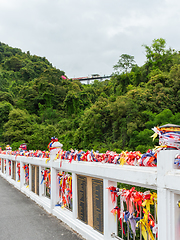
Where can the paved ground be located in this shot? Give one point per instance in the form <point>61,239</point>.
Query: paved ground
<point>23,219</point>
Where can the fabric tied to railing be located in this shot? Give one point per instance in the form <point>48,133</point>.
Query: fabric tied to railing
<point>65,190</point>
<point>18,171</point>
<point>130,214</point>
<point>26,170</point>
<point>169,135</point>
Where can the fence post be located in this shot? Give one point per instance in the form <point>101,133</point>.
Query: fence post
<point>74,195</point>
<point>11,168</point>
<point>40,179</point>
<point>53,188</point>
<point>30,177</point>
<point>7,167</point>
<point>165,164</point>
<point>21,174</point>
<point>110,221</point>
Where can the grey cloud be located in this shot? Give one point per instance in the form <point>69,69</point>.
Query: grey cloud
<point>88,36</point>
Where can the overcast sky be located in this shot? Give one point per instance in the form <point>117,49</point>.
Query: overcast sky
<point>84,37</point>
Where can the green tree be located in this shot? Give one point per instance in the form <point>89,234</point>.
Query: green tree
<point>18,127</point>
<point>41,136</point>
<point>14,63</point>
<point>158,56</point>
<point>5,108</point>
<point>125,63</point>
<point>6,96</point>
<point>158,47</point>
<point>94,125</point>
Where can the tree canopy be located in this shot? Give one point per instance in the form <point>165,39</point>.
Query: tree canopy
<point>36,103</point>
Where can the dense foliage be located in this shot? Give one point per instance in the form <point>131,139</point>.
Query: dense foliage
<point>36,103</point>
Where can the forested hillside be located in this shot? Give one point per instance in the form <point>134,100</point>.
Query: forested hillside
<point>36,103</point>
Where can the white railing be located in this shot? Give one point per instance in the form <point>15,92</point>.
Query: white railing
<point>165,179</point>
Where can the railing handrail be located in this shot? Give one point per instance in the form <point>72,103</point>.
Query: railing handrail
<point>134,175</point>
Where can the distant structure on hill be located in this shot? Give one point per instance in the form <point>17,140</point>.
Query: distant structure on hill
<point>90,80</point>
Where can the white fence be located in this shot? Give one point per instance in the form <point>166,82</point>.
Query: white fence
<point>165,179</point>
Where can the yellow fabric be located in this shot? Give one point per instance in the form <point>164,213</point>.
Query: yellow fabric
<point>146,204</point>
<point>123,158</point>
<point>154,136</point>
<point>56,156</point>
<point>154,198</point>
<point>145,229</point>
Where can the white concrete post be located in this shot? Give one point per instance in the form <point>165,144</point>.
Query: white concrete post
<point>110,222</point>
<point>176,222</point>
<point>165,164</point>
<point>15,169</point>
<point>162,215</point>
<point>40,179</point>
<point>74,195</point>
<point>7,167</point>
<point>11,169</point>
<point>53,187</point>
<point>30,176</point>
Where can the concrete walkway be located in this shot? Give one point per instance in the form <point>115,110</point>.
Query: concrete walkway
<point>23,219</point>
